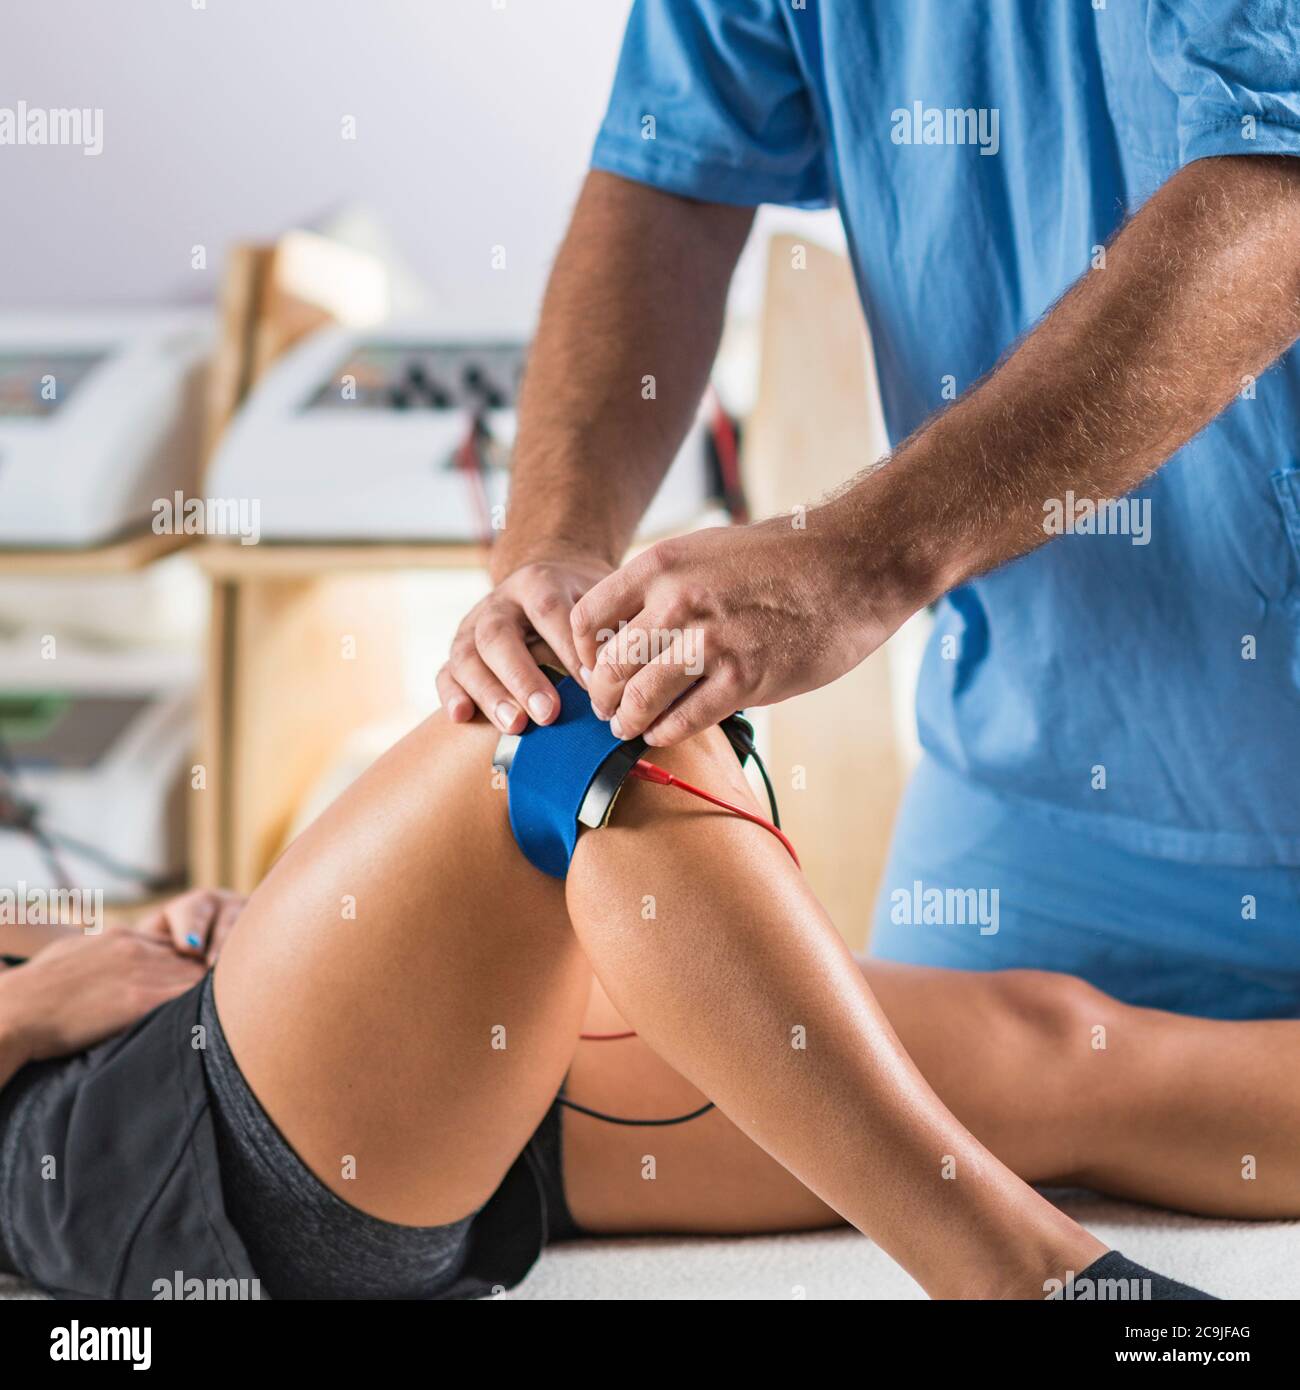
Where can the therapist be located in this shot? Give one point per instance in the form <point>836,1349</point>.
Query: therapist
<point>1076,232</point>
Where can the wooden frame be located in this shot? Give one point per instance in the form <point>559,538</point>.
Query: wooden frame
<point>834,757</point>
<point>304,647</point>
<point>121,556</point>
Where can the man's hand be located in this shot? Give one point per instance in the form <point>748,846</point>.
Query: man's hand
<point>490,665</point>
<point>637,291</point>
<point>722,619</point>
<point>1200,292</point>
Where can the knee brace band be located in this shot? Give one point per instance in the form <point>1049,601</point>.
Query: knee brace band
<point>550,769</point>
<point>567,775</point>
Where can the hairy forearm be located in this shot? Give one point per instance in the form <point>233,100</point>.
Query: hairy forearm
<point>637,292</point>
<point>1199,292</point>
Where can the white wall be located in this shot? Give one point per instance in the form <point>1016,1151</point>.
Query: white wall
<point>474,124</point>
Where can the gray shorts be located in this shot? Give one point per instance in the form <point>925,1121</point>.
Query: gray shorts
<point>148,1159</point>
<point>306,1242</point>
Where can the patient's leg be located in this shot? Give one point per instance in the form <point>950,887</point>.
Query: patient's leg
<point>712,946</point>
<point>1064,1084</point>
<point>404,988</point>
<point>1200,1114</point>
<point>366,982</point>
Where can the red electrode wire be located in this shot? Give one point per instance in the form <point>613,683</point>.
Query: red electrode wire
<point>652,772</point>
<point>469,459</point>
<point>724,441</point>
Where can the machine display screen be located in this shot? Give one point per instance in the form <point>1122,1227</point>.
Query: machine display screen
<point>34,384</point>
<point>424,376</point>
<point>63,731</point>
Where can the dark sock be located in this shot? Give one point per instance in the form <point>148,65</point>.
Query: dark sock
<point>1113,1265</point>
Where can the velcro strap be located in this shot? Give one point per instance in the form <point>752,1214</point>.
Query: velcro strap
<point>550,768</point>
<point>566,775</point>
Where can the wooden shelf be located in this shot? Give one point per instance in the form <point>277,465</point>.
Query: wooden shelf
<point>122,556</point>
<point>228,559</point>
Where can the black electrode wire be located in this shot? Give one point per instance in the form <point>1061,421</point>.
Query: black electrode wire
<point>51,856</point>
<point>621,1120</point>
<point>114,866</point>
<point>704,1109</point>
<point>18,813</point>
<point>767,782</point>
<point>7,764</point>
<point>26,817</point>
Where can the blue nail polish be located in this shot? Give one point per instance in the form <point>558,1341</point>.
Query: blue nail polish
<point>193,939</point>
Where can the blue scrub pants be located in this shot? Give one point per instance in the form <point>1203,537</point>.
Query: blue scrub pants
<point>1220,942</point>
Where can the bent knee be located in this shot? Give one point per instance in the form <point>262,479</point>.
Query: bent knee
<point>661,845</point>
<point>574,777</point>
<point>1063,1011</point>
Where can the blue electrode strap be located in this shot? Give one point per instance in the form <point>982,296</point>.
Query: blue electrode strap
<point>549,771</point>
<point>567,775</point>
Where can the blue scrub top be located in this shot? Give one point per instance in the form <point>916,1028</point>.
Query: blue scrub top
<point>1139,688</point>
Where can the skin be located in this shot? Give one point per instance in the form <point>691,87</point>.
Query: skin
<point>1165,1113</point>
<point>639,286</point>
<point>82,988</point>
<point>366,980</point>
<point>1162,1114</point>
<point>1200,290</point>
<point>368,1033</point>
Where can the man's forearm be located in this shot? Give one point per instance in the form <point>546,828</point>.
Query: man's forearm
<point>637,292</point>
<point>1200,291</point>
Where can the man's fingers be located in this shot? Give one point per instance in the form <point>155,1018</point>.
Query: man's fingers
<point>459,706</point>
<point>490,695</point>
<point>550,620</point>
<point>505,653</point>
<point>649,693</point>
<point>616,598</point>
<point>708,704</point>
<point>621,657</point>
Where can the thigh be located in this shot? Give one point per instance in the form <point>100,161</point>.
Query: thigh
<point>403,991</point>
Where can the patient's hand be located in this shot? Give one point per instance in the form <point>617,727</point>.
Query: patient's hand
<point>196,923</point>
<point>83,989</point>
